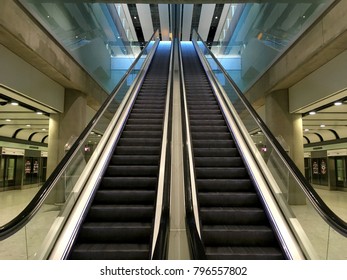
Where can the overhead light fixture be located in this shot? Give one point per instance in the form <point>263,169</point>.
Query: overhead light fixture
<point>28,125</point>
<point>312,113</point>
<point>322,125</point>
<point>39,113</point>
<point>307,129</point>
<point>14,103</point>
<point>8,120</point>
<point>338,103</point>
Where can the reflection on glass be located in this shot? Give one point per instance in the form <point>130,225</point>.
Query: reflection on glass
<point>255,34</point>
<point>97,35</point>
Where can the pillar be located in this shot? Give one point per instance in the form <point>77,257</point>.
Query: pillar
<point>64,129</point>
<point>288,129</point>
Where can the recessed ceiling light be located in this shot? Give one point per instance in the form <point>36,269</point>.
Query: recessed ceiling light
<point>14,103</point>
<point>322,125</point>
<point>338,103</point>
<point>43,129</point>
<point>28,125</point>
<point>8,120</point>
<point>306,129</point>
<point>312,113</point>
<point>39,113</point>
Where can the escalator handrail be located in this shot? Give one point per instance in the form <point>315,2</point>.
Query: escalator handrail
<point>34,205</point>
<point>321,207</point>
<point>192,220</point>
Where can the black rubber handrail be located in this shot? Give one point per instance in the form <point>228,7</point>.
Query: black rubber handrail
<point>325,212</point>
<point>34,205</point>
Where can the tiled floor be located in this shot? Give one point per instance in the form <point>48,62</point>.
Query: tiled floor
<point>325,241</point>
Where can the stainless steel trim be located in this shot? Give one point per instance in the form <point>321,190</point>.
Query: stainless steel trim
<point>161,177</point>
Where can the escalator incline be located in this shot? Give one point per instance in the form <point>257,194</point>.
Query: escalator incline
<point>233,222</point>
<point>119,223</point>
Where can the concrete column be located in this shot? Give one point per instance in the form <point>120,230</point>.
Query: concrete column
<point>288,129</point>
<point>73,119</point>
<point>64,129</point>
<point>53,143</point>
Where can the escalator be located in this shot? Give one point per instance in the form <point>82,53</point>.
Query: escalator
<point>119,223</point>
<point>233,222</point>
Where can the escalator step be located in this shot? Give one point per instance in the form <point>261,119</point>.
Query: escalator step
<point>243,253</point>
<point>214,144</point>
<point>225,185</point>
<point>210,128</point>
<point>218,162</point>
<point>203,117</point>
<point>137,150</point>
<point>230,199</point>
<point>221,172</point>
<point>132,171</point>
<point>133,121</point>
<point>144,127</point>
<point>120,213</point>
<point>134,160</point>
<point>148,116</point>
<point>139,141</point>
<point>211,135</point>
<point>209,122</point>
<point>142,134</point>
<point>115,232</point>
<point>232,216</point>
<point>215,152</point>
<point>113,251</point>
<point>120,197</point>
<point>126,183</point>
<point>235,235</point>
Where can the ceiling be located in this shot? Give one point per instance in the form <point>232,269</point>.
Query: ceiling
<point>19,120</point>
<point>22,122</point>
<point>326,122</point>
